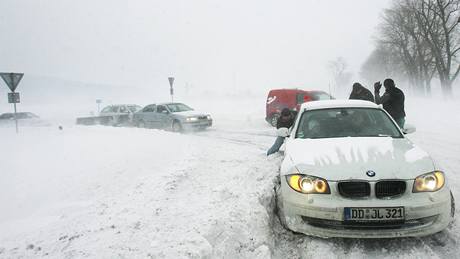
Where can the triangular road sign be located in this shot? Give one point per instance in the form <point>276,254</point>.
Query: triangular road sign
<point>12,79</point>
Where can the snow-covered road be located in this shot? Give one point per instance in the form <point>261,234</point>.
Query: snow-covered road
<point>133,193</point>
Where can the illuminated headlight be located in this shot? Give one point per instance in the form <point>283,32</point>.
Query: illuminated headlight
<point>430,182</point>
<point>208,117</point>
<point>192,119</point>
<point>308,184</point>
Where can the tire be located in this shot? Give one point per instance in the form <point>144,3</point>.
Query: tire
<point>279,210</point>
<point>176,126</point>
<point>274,119</point>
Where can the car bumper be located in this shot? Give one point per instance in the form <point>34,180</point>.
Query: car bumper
<point>201,124</point>
<point>322,215</point>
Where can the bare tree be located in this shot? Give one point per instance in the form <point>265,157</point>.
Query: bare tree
<point>382,63</point>
<point>401,34</point>
<point>438,23</point>
<point>423,37</point>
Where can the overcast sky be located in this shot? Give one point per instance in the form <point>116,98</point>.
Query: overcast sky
<point>207,44</point>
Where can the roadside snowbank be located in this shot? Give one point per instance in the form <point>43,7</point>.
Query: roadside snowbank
<point>105,192</point>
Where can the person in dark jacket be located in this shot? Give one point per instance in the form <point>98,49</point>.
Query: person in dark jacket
<point>286,120</point>
<point>392,100</point>
<point>360,92</point>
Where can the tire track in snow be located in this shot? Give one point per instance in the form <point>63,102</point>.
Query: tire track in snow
<point>262,140</point>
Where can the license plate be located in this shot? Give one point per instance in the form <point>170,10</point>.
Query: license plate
<point>374,214</point>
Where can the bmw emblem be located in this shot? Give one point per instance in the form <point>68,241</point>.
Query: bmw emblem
<point>370,173</point>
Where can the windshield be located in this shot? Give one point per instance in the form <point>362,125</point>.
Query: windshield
<point>346,122</point>
<point>318,96</point>
<point>178,107</point>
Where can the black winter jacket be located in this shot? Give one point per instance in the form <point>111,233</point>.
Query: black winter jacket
<point>393,102</point>
<point>361,93</point>
<point>285,122</point>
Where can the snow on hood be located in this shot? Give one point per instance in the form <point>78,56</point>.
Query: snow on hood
<point>351,158</point>
<point>191,113</point>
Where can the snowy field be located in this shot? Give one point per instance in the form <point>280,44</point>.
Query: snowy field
<point>109,192</point>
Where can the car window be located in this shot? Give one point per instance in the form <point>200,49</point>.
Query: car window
<point>149,108</point>
<point>114,109</point>
<point>31,115</point>
<point>6,116</point>
<point>106,109</point>
<point>318,96</point>
<point>178,107</point>
<point>346,122</point>
<point>123,109</point>
<point>300,98</point>
<point>161,108</point>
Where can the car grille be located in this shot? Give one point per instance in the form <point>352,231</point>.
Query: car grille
<point>336,224</point>
<point>203,117</point>
<point>354,189</point>
<point>385,189</point>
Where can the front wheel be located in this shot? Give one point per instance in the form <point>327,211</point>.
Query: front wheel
<point>279,210</point>
<point>176,126</point>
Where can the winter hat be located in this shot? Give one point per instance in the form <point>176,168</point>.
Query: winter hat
<point>389,82</point>
<point>356,86</point>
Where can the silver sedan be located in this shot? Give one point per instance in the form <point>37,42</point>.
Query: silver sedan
<point>171,116</point>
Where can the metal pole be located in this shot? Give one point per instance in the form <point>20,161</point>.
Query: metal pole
<point>16,119</point>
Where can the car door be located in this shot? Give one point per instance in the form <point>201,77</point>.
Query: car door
<point>163,119</point>
<point>123,114</point>
<point>148,115</point>
<point>112,111</point>
<point>109,116</point>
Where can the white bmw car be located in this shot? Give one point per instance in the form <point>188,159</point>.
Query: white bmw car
<point>349,171</point>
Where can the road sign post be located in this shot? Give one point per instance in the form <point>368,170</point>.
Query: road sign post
<point>98,101</point>
<point>12,80</point>
<point>171,89</point>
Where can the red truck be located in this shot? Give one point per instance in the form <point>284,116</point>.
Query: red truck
<point>279,99</point>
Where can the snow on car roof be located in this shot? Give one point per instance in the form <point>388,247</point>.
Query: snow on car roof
<point>337,104</point>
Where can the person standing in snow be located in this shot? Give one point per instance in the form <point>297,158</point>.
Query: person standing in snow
<point>285,121</point>
<point>360,92</point>
<point>392,100</point>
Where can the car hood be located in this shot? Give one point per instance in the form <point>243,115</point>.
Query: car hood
<point>350,158</point>
<point>190,113</point>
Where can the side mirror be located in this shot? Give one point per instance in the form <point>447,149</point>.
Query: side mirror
<point>408,129</point>
<point>282,132</point>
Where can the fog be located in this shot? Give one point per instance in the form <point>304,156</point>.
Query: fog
<point>207,45</point>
